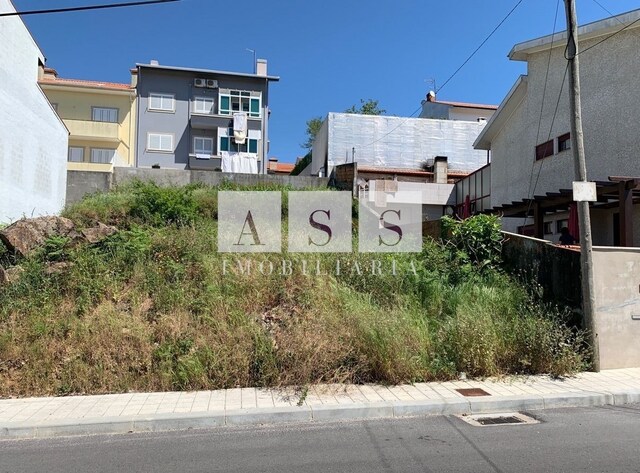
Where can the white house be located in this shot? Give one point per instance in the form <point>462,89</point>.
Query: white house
<point>532,165</point>
<point>395,142</point>
<point>33,139</point>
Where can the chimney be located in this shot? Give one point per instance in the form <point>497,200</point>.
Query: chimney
<point>134,77</point>
<point>273,164</point>
<point>440,169</point>
<point>261,67</point>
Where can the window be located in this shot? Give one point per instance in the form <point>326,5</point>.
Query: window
<point>250,145</point>
<point>560,224</point>
<point>564,142</point>
<point>102,156</point>
<point>202,145</point>
<point>162,102</point>
<point>239,101</point>
<point>160,142</point>
<point>548,228</point>
<point>203,105</point>
<point>544,150</point>
<point>76,155</point>
<point>102,114</point>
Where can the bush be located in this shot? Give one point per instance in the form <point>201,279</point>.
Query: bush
<point>476,240</point>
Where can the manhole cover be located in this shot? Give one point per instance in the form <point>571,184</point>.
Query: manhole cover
<point>510,418</point>
<point>472,392</point>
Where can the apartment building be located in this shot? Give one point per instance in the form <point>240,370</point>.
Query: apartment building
<point>100,117</point>
<point>203,119</point>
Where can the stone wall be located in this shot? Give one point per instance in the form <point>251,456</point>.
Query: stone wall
<point>81,183</point>
<point>555,268</point>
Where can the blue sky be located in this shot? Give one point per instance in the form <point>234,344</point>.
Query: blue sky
<point>329,54</point>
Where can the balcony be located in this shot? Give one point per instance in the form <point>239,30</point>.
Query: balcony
<point>93,131</point>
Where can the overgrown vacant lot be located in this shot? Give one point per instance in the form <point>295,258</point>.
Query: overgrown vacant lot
<point>149,308</point>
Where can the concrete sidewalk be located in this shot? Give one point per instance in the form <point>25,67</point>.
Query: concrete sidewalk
<point>144,412</point>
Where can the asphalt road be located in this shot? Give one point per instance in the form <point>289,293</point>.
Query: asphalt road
<point>603,439</point>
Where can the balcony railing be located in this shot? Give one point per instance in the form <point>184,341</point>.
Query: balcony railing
<point>95,131</point>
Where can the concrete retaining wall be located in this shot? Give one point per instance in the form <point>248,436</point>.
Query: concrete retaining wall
<point>616,282</point>
<point>81,183</point>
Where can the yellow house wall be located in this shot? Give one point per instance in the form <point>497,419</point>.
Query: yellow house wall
<point>76,105</point>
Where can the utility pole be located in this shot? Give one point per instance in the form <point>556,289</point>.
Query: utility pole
<point>577,146</point>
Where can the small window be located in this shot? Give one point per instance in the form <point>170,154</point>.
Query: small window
<point>102,156</point>
<point>543,150</point>
<point>102,114</point>
<point>564,142</point>
<point>162,102</point>
<point>203,105</point>
<point>548,228</point>
<point>560,224</point>
<point>160,142</point>
<point>76,154</point>
<point>202,145</point>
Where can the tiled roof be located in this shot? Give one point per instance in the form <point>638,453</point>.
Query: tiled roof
<point>86,83</point>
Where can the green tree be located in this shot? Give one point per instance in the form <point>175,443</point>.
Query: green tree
<point>368,107</point>
<point>313,127</point>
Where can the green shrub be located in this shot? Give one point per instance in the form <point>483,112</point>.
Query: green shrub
<point>476,240</point>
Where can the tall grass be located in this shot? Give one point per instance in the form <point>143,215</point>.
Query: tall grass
<point>149,308</point>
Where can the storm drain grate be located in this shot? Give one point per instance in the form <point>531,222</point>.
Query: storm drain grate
<point>499,420</point>
<point>509,418</point>
<point>472,392</point>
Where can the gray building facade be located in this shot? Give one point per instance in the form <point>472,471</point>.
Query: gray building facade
<point>186,118</point>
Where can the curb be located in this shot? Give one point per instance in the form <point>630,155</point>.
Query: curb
<point>308,414</point>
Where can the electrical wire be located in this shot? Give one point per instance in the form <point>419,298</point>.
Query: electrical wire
<point>87,7</point>
<point>451,76</point>
<point>544,94</point>
<point>481,44</point>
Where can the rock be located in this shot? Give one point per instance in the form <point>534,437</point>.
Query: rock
<point>25,236</point>
<point>99,233</point>
<point>10,275</point>
<point>57,267</point>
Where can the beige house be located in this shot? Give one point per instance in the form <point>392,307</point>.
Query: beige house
<point>532,166</point>
<point>100,117</point>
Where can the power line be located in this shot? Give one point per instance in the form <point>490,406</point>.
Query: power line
<point>555,113</point>
<point>605,9</point>
<point>450,77</point>
<point>87,7</point>
<point>608,37</point>
<point>478,48</point>
<point>544,94</point>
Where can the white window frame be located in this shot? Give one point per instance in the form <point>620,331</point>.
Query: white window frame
<point>162,97</point>
<point>102,151</point>
<point>108,110</point>
<point>239,148</point>
<point>160,148</point>
<point>203,99</point>
<point>69,154</point>
<point>202,151</point>
<point>240,94</point>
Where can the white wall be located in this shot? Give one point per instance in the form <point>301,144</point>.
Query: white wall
<point>33,140</point>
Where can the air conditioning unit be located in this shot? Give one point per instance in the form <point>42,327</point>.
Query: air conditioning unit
<point>212,83</point>
<point>200,82</point>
